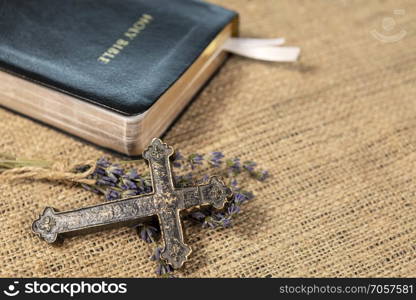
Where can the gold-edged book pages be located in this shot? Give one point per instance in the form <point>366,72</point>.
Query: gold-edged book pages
<point>125,134</point>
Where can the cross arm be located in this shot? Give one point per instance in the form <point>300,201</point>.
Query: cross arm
<point>52,223</point>
<point>157,154</point>
<point>214,193</point>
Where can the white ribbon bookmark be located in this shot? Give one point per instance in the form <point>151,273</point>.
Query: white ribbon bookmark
<point>262,49</point>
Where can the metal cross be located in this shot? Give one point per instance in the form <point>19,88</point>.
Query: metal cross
<point>165,201</point>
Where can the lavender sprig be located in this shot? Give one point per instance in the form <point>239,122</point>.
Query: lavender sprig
<point>115,182</point>
<point>163,269</point>
<point>215,159</point>
<point>147,233</point>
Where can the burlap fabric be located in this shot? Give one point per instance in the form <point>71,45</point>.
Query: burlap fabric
<point>336,131</point>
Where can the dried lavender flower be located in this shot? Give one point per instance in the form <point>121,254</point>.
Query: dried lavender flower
<point>249,165</point>
<point>262,175</point>
<point>111,195</point>
<point>90,188</point>
<point>114,182</point>
<point>215,159</point>
<point>163,269</point>
<point>147,232</point>
<point>177,159</point>
<point>197,215</point>
<point>234,166</point>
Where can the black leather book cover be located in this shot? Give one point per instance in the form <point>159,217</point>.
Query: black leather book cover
<point>119,54</point>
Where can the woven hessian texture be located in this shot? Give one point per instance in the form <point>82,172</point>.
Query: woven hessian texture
<point>337,131</point>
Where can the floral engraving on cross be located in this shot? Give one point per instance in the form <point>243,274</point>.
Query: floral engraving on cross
<point>166,202</point>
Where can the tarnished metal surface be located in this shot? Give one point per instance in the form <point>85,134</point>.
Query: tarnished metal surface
<point>165,201</point>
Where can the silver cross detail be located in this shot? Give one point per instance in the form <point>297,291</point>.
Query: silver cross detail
<point>165,201</point>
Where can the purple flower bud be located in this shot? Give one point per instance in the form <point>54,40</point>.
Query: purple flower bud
<point>249,195</point>
<point>164,269</point>
<point>156,254</point>
<point>198,215</point>
<point>178,156</point>
<point>184,180</point>
<point>127,184</point>
<point>233,209</point>
<point>132,174</point>
<point>177,159</point>
<point>115,169</point>
<point>112,195</point>
<point>226,222</point>
<point>240,198</point>
<point>129,193</point>
<point>147,233</point>
<point>90,188</point>
<point>234,165</point>
<point>98,171</point>
<point>262,175</point>
<point>217,155</point>
<point>215,159</point>
<point>218,216</point>
<point>249,166</point>
<point>110,177</point>
<point>159,270</point>
<point>209,224</point>
<point>103,162</point>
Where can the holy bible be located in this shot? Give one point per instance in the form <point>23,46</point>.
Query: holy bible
<point>115,73</point>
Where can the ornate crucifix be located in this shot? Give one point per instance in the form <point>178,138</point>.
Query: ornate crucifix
<point>165,201</point>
